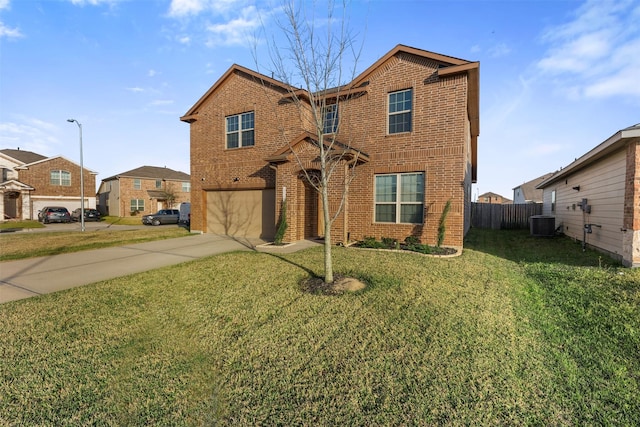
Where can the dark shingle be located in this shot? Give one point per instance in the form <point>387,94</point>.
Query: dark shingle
<point>23,156</point>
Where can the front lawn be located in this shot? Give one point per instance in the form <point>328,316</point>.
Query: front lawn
<point>27,245</point>
<point>517,330</point>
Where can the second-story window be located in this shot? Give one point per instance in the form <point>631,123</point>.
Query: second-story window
<point>240,130</point>
<point>158,183</point>
<point>60,177</point>
<point>186,187</point>
<point>330,118</point>
<point>400,111</point>
<point>137,184</point>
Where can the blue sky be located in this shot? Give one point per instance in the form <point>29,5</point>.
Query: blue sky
<point>556,77</point>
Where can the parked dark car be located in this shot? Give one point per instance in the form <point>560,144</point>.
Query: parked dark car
<point>54,214</point>
<point>163,216</point>
<point>89,215</point>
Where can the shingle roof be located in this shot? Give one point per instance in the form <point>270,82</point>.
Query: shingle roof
<point>23,156</point>
<point>152,172</point>
<point>529,191</point>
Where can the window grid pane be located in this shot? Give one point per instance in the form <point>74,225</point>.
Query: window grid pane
<point>400,111</point>
<point>247,138</point>
<point>330,119</point>
<point>386,188</point>
<point>385,213</point>
<point>240,130</point>
<point>408,207</point>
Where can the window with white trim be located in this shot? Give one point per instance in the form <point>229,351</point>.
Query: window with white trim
<point>239,130</point>
<point>399,198</point>
<point>60,177</point>
<point>186,187</point>
<point>137,184</point>
<point>137,205</point>
<point>330,118</point>
<point>400,111</point>
<point>158,183</point>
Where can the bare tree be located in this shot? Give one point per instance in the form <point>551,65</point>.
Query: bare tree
<point>318,59</point>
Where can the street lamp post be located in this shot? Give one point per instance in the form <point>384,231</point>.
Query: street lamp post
<point>81,176</point>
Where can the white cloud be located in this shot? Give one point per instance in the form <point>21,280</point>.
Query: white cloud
<point>499,50</point>
<point>135,89</point>
<point>235,32</point>
<point>4,4</point>
<point>182,8</point>
<point>93,2</point>
<point>159,102</point>
<point>152,73</point>
<point>597,54</point>
<point>9,32</point>
<point>31,135</point>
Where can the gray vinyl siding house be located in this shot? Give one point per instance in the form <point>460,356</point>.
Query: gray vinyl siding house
<point>600,192</point>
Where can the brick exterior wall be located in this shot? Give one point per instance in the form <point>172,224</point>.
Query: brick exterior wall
<point>438,146</point>
<point>129,192</point>
<point>39,177</point>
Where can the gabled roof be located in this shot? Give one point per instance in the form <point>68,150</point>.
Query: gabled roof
<point>152,172</point>
<point>191,115</point>
<point>447,66</point>
<point>491,194</point>
<point>47,159</point>
<point>15,185</point>
<point>339,150</point>
<point>529,191</point>
<point>615,142</point>
<point>22,155</point>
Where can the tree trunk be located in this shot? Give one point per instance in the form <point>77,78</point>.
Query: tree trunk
<point>328,263</point>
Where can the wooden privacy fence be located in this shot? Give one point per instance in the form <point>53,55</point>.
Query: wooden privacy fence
<point>494,216</point>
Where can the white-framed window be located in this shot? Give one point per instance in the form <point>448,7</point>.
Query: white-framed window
<point>399,198</point>
<point>60,177</point>
<point>240,132</point>
<point>330,118</point>
<point>137,184</point>
<point>186,187</point>
<point>400,111</point>
<point>158,183</point>
<point>137,205</point>
<point>553,201</point>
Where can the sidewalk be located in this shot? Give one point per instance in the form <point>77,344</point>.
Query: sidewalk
<point>36,276</point>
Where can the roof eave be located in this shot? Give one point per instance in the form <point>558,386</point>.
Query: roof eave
<point>613,143</point>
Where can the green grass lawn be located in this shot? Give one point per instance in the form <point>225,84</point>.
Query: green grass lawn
<point>27,245</point>
<point>517,330</point>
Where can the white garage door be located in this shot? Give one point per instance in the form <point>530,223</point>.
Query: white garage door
<point>246,213</point>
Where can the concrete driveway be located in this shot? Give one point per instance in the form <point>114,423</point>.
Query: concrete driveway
<point>36,276</point>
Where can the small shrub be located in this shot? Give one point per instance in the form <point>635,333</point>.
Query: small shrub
<point>370,242</point>
<point>389,243</point>
<point>282,225</point>
<point>442,229</point>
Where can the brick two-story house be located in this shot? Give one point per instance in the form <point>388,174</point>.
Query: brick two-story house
<point>31,181</point>
<point>408,128</point>
<point>143,190</point>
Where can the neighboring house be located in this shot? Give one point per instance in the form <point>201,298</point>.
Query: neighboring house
<point>409,124</point>
<point>142,191</point>
<point>600,192</point>
<point>527,192</point>
<point>31,181</point>
<point>493,198</point>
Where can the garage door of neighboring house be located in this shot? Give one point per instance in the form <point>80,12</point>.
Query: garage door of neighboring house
<point>246,213</point>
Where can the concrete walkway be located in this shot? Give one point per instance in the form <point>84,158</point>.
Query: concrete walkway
<point>36,276</point>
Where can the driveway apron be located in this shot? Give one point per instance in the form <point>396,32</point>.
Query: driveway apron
<point>36,276</point>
